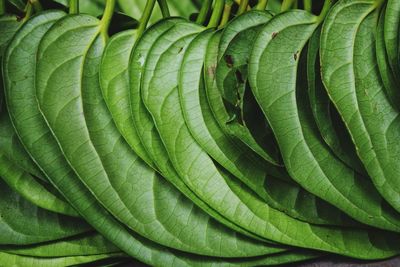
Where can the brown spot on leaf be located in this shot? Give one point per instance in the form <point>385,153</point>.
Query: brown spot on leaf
<point>296,55</point>
<point>239,76</point>
<point>274,34</point>
<point>211,71</point>
<point>229,60</point>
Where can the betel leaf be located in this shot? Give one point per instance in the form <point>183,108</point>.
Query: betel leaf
<point>40,144</point>
<point>23,223</point>
<point>82,245</point>
<point>113,72</point>
<point>389,79</point>
<point>157,201</point>
<point>282,195</point>
<point>9,24</point>
<point>181,34</point>
<point>85,72</point>
<point>351,77</point>
<point>31,189</point>
<point>165,144</point>
<point>60,85</point>
<point>391,34</point>
<point>238,114</point>
<point>12,148</point>
<point>215,103</point>
<point>328,120</point>
<point>280,91</point>
<point>9,259</point>
<point>114,80</point>
<point>144,124</point>
<point>224,194</point>
<point>138,60</point>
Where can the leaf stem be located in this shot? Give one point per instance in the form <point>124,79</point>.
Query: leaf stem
<point>261,5</point>
<point>243,6</point>
<point>164,8</point>
<point>216,14</point>
<point>36,5</point>
<point>145,17</point>
<point>205,8</point>
<point>286,5</point>
<point>2,7</point>
<point>307,5</point>
<point>28,12</point>
<point>107,16</point>
<point>226,14</point>
<point>327,5</point>
<point>73,6</point>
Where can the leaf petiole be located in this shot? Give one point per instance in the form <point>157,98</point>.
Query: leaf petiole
<point>286,5</point>
<point>216,14</point>
<point>164,8</point>
<point>107,16</point>
<point>327,5</point>
<point>205,8</point>
<point>307,5</point>
<point>261,5</point>
<point>36,5</point>
<point>73,6</point>
<point>226,14</point>
<point>243,6</point>
<point>148,9</point>
<point>28,12</point>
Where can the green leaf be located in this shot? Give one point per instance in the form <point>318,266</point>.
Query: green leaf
<point>22,223</point>
<point>82,245</point>
<point>391,30</point>
<point>32,190</point>
<point>328,120</point>
<point>351,76</point>
<point>144,123</point>
<point>17,260</point>
<point>84,140</point>
<point>213,185</point>
<point>389,78</point>
<point>12,148</point>
<point>238,114</point>
<point>9,24</point>
<point>157,201</point>
<point>37,138</point>
<point>281,92</point>
<point>114,81</point>
<point>285,196</point>
<point>60,83</point>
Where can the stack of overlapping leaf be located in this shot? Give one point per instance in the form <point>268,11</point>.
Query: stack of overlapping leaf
<point>269,136</point>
